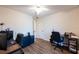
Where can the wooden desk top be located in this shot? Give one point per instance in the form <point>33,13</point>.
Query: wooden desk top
<point>10,49</point>
<point>76,37</point>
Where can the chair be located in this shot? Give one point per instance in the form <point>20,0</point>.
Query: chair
<point>19,37</point>
<point>56,40</point>
<point>25,41</point>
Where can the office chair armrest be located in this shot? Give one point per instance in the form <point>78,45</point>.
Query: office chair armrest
<point>62,38</point>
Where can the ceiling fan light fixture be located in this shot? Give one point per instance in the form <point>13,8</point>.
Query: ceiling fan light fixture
<point>39,9</point>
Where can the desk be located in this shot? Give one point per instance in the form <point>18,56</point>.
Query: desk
<point>11,49</point>
<point>73,44</point>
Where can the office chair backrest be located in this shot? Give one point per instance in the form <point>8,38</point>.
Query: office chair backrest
<point>19,37</point>
<point>56,37</point>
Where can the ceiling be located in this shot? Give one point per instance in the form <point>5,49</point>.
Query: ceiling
<point>52,9</point>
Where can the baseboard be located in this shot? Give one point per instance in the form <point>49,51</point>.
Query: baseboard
<point>42,39</point>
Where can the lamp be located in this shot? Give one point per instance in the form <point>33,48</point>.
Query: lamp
<point>1,24</point>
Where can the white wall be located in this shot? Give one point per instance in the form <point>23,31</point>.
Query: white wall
<point>17,21</point>
<point>65,21</point>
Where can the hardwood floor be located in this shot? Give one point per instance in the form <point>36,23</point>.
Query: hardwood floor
<point>43,47</point>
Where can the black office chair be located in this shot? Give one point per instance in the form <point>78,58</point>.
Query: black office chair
<point>19,37</point>
<point>57,41</point>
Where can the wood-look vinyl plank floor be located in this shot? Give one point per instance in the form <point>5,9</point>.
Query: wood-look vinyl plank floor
<point>43,47</point>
